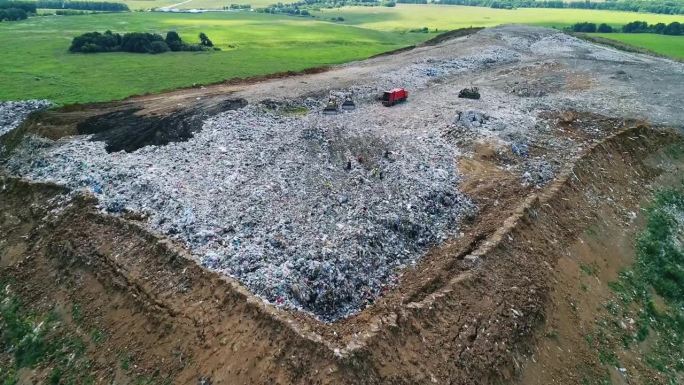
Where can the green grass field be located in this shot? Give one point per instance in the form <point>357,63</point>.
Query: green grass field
<point>672,46</point>
<point>446,17</point>
<point>196,4</point>
<point>36,63</point>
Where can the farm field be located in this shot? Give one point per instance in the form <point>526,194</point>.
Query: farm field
<point>252,44</point>
<point>446,17</point>
<point>665,45</point>
<point>191,4</point>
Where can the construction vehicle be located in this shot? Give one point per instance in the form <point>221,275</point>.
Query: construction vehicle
<point>337,101</point>
<point>394,96</point>
<point>348,103</point>
<point>331,108</point>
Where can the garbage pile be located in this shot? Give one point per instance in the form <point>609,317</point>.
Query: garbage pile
<point>417,75</point>
<point>315,215</point>
<point>538,172</point>
<point>13,113</point>
<point>420,73</point>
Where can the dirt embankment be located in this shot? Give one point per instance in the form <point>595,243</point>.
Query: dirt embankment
<point>474,323</point>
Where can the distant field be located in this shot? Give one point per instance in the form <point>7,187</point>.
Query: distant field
<point>445,17</point>
<point>36,64</point>
<point>665,45</point>
<point>197,4</point>
<point>192,4</point>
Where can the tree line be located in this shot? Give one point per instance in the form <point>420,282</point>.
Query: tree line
<point>104,6</point>
<point>670,7</point>
<point>238,6</point>
<point>137,42</point>
<point>301,8</point>
<point>16,10</point>
<point>20,10</point>
<point>674,28</point>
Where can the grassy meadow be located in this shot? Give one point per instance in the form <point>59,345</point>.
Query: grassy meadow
<point>192,4</point>
<point>36,63</point>
<point>672,46</point>
<point>446,17</point>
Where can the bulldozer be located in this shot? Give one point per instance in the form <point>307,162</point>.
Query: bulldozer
<point>331,107</point>
<point>348,103</point>
<point>339,101</point>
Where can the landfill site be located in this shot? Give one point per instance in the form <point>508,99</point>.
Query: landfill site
<point>299,229</point>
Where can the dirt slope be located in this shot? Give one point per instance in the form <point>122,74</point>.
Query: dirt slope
<point>157,305</point>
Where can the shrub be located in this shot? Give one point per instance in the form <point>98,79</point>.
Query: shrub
<point>673,28</point>
<point>584,27</point>
<point>140,42</point>
<point>96,42</point>
<point>635,27</point>
<point>137,42</point>
<point>83,5</point>
<point>27,6</point>
<point>604,28</point>
<point>469,93</point>
<point>70,12</point>
<point>12,14</point>
<point>159,47</point>
<point>90,48</point>
<point>204,40</point>
<point>173,41</point>
<point>659,28</point>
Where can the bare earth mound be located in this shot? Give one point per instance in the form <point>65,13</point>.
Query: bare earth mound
<point>261,241</point>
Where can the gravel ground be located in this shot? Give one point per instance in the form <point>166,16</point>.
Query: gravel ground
<point>321,213</point>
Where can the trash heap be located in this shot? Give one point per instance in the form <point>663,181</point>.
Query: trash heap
<point>314,215</point>
<point>13,113</point>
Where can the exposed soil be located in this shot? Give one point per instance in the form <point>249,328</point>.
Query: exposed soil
<point>124,130</point>
<point>581,291</point>
<point>158,305</point>
<point>566,149</point>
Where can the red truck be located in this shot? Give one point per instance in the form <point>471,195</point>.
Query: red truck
<point>394,96</point>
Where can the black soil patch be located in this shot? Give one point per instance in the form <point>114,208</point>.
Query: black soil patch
<point>128,131</point>
<point>453,34</point>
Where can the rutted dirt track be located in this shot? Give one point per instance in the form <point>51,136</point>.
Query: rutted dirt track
<point>469,312</point>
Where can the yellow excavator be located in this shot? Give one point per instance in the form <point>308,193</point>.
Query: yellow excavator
<point>334,106</point>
